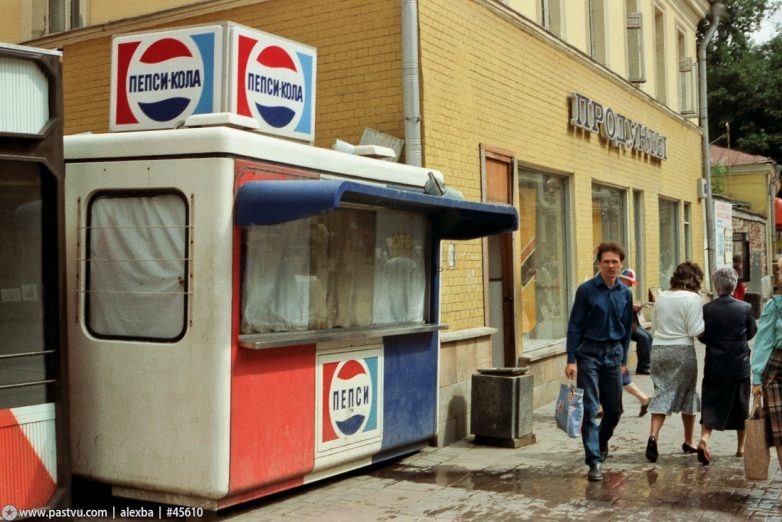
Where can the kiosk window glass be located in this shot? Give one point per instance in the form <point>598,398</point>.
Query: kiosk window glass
<point>136,266</point>
<point>340,269</point>
<point>26,360</point>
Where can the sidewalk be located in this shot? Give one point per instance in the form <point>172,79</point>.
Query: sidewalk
<point>543,481</point>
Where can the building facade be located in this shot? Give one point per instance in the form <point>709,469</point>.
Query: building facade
<point>578,112</point>
<point>750,183</point>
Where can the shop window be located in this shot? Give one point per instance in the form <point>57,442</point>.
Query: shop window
<point>340,269</point>
<point>608,217</point>
<point>635,44</point>
<point>26,359</point>
<point>545,247</point>
<point>597,30</point>
<point>669,240</point>
<point>137,266</point>
<point>687,231</point>
<point>686,78</point>
<point>639,252</point>
<point>659,56</point>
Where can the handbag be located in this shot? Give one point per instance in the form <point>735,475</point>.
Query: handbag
<point>756,453</point>
<point>569,410</point>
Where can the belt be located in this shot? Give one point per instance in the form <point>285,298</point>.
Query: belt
<point>599,344</point>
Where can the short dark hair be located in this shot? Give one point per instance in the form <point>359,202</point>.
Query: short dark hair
<point>688,275</point>
<point>610,246</point>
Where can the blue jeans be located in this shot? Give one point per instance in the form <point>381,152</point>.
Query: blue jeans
<point>643,347</point>
<point>600,376</point>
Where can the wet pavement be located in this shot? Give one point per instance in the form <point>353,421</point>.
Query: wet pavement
<point>543,481</point>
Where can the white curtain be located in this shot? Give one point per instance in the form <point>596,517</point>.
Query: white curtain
<point>136,264</point>
<point>341,269</point>
<point>400,273</point>
<point>276,286</point>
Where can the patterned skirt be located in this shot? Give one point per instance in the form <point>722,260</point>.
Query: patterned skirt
<point>675,377</point>
<point>772,393</point>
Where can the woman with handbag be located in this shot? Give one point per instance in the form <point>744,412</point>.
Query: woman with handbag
<point>730,324</point>
<point>766,363</point>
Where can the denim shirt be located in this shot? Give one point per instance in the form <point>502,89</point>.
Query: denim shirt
<point>600,314</point>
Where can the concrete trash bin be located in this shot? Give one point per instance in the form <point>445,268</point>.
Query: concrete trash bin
<point>501,407</point>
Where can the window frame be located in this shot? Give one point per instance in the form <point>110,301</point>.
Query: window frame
<point>38,21</point>
<point>131,193</point>
<point>255,339</point>
<point>545,10</point>
<point>526,172</point>
<point>677,230</point>
<point>597,31</point>
<point>639,224</point>
<point>623,214</point>
<point>661,81</point>
<point>685,79</point>
<point>636,64</point>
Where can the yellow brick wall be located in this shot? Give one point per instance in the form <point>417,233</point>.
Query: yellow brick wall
<point>752,187</point>
<point>12,28</point>
<point>486,81</point>
<point>359,64</point>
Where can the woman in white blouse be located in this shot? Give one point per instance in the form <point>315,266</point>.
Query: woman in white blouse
<point>678,319</point>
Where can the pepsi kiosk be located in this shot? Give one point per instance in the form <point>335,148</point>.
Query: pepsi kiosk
<point>247,313</point>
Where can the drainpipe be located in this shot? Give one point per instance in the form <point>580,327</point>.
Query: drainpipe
<point>711,232</point>
<point>410,86</point>
<point>771,223</point>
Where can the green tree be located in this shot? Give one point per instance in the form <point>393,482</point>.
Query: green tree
<point>745,81</point>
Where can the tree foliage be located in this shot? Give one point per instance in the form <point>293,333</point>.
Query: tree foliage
<point>745,81</point>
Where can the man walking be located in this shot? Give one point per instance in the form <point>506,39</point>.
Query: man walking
<point>598,339</point>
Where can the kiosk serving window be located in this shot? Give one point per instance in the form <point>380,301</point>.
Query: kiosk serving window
<point>350,267</point>
<point>136,266</point>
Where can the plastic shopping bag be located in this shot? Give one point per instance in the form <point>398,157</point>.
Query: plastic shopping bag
<point>569,411</point>
<point>756,455</point>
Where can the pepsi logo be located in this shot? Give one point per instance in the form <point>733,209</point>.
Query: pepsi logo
<point>165,79</point>
<point>275,86</point>
<point>350,397</point>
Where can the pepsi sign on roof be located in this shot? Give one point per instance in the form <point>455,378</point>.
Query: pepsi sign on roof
<point>160,79</point>
<point>273,80</point>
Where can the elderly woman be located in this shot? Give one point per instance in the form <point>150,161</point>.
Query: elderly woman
<point>678,319</point>
<point>729,323</point>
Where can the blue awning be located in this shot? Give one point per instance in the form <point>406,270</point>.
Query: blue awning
<point>271,202</point>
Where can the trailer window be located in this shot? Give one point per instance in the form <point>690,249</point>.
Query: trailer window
<point>339,269</point>
<point>136,266</point>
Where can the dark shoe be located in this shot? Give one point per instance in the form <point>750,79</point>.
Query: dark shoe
<point>644,409</point>
<point>703,454</point>
<point>642,371</point>
<point>686,448</point>
<point>603,452</point>
<point>594,472</point>
<point>739,453</point>
<point>651,449</point>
